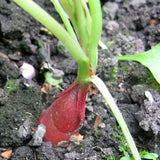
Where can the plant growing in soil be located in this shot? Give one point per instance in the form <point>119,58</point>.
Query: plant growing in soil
<point>64,117</point>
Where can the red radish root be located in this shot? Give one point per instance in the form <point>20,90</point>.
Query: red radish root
<point>65,115</point>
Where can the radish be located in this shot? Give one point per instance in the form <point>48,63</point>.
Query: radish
<point>65,115</point>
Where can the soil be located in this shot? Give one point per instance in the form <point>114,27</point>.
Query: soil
<point>129,27</point>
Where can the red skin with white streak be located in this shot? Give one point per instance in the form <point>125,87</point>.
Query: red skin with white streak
<point>65,115</point>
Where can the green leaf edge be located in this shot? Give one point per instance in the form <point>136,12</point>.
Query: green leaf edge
<point>145,59</point>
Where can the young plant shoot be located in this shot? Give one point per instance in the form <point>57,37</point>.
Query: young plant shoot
<point>65,115</point>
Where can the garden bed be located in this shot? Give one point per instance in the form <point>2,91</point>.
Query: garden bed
<point>129,27</point>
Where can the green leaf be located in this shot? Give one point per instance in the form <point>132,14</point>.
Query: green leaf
<point>52,80</point>
<point>147,155</point>
<point>150,59</point>
<point>126,158</point>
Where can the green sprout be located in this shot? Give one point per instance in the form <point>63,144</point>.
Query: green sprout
<point>96,132</point>
<point>111,157</point>
<point>123,148</point>
<point>147,155</point>
<point>11,86</point>
<point>81,40</point>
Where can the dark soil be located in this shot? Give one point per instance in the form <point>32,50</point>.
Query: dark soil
<point>129,27</point>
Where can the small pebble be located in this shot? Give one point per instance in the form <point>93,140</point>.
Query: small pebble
<point>14,57</point>
<point>24,130</point>
<point>137,3</point>
<point>110,8</point>
<point>72,155</point>
<point>108,151</point>
<point>58,73</point>
<point>38,136</point>
<point>102,125</point>
<point>112,28</point>
<point>89,108</point>
<point>149,96</point>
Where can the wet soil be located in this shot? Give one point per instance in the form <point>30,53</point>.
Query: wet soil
<point>129,27</point>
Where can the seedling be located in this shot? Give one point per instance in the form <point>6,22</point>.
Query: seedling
<point>11,86</point>
<point>96,132</point>
<point>63,118</point>
<point>124,147</point>
<point>147,155</point>
<point>111,157</point>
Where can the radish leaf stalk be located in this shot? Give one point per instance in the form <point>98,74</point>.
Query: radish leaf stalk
<point>110,101</point>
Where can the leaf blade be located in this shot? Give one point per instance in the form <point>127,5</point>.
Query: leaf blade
<point>150,59</point>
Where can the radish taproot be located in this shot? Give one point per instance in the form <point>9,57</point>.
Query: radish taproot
<point>65,115</point>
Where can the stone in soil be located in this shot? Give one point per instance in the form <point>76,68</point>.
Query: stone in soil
<point>38,136</point>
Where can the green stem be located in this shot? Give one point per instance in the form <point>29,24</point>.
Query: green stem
<point>64,17</point>
<point>96,29</point>
<point>49,22</point>
<point>68,6</point>
<point>87,15</point>
<point>81,23</point>
<point>109,99</point>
